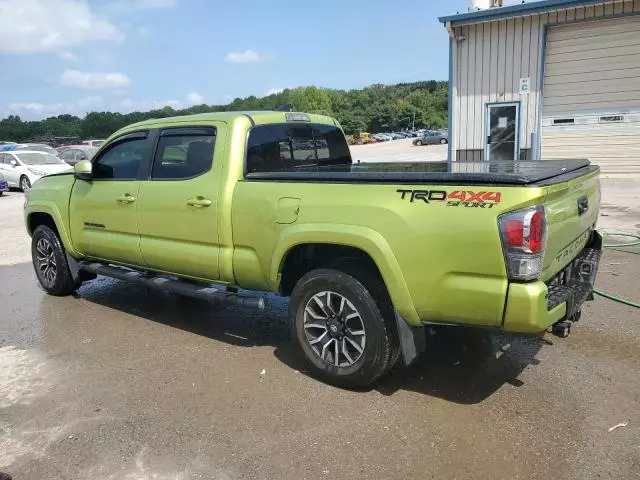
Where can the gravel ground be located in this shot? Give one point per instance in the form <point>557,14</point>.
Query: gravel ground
<point>398,151</point>
<point>122,382</point>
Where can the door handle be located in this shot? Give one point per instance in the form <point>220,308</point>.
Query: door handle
<point>199,202</point>
<point>125,198</point>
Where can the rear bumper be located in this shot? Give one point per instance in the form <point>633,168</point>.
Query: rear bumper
<point>534,307</point>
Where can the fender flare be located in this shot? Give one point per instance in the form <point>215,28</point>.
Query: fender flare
<point>363,238</point>
<point>52,210</point>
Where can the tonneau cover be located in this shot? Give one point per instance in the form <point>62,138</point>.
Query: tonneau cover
<point>494,172</point>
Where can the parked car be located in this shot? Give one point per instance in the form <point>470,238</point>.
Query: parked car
<point>4,187</point>
<point>93,143</point>
<point>32,147</point>
<point>21,169</point>
<point>431,138</point>
<point>76,153</point>
<point>369,254</point>
<point>381,137</point>
<point>396,136</point>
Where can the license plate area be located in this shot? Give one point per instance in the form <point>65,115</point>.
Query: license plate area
<point>574,283</point>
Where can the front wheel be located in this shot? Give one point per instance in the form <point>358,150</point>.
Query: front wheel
<point>50,262</point>
<point>340,329</point>
<point>443,141</point>
<point>25,184</point>
<point>418,143</point>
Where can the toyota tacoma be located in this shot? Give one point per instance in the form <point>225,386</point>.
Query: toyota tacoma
<point>219,205</point>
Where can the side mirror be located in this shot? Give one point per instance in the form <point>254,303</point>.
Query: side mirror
<point>83,170</point>
<point>13,163</point>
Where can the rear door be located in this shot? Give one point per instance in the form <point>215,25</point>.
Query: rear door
<point>103,212</point>
<point>178,208</point>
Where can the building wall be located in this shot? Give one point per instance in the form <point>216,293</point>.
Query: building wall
<point>489,62</point>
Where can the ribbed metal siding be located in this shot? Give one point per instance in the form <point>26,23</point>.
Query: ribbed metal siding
<point>489,62</point>
<point>592,72</point>
<point>488,66</point>
<point>592,66</point>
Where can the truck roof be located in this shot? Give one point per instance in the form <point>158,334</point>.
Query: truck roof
<point>256,117</point>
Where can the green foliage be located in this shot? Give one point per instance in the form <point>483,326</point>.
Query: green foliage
<point>372,109</point>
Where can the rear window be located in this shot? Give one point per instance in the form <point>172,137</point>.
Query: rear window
<point>287,147</point>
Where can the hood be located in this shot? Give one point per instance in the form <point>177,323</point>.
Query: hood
<point>53,168</point>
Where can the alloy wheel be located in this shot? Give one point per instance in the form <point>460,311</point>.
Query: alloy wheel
<point>46,261</point>
<point>334,329</point>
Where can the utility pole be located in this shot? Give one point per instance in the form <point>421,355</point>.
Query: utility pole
<point>413,124</point>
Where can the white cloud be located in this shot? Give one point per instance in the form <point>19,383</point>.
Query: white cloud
<point>93,81</point>
<point>127,6</point>
<point>131,105</point>
<point>38,110</point>
<point>194,98</point>
<point>30,26</point>
<point>248,56</point>
<point>68,56</point>
<point>35,107</point>
<point>33,110</point>
<point>273,91</point>
<point>143,32</point>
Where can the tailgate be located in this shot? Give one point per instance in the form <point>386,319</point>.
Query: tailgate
<point>571,211</point>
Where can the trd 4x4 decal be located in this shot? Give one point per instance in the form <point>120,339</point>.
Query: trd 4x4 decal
<point>457,198</point>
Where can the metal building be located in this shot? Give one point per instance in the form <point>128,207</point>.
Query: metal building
<point>546,80</point>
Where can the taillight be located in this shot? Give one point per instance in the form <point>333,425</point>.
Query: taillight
<point>523,234</point>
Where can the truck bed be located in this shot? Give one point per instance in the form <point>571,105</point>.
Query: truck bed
<point>523,173</point>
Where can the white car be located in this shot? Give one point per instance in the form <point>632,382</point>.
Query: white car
<point>22,168</point>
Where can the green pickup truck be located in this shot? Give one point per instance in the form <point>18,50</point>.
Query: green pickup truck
<point>369,254</point>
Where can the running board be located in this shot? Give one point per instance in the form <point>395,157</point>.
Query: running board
<point>205,292</point>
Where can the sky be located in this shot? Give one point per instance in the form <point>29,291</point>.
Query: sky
<point>75,56</point>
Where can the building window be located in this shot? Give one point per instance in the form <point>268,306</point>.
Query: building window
<point>563,121</point>
<point>611,119</point>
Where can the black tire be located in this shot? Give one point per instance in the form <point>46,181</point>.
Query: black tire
<point>380,348</point>
<point>418,143</point>
<point>25,184</point>
<point>443,141</point>
<point>45,244</point>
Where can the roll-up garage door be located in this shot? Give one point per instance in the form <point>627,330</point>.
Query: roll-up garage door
<point>591,93</point>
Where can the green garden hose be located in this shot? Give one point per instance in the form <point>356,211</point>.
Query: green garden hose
<point>635,243</point>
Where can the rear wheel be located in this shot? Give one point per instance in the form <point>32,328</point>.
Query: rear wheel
<point>340,329</point>
<point>25,184</point>
<point>50,262</point>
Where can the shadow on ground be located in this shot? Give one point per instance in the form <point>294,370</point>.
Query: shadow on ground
<point>461,365</point>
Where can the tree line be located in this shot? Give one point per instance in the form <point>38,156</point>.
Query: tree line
<point>377,108</point>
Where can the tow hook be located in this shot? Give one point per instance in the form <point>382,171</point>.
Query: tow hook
<point>561,329</point>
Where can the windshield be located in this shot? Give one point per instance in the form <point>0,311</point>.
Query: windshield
<point>38,159</point>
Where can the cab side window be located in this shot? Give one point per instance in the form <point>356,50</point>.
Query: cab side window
<point>122,160</point>
<point>183,153</point>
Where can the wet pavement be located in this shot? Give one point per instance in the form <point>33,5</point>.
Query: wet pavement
<point>124,382</point>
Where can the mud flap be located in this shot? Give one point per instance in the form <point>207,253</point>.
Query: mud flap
<point>412,340</point>
<point>78,275</point>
